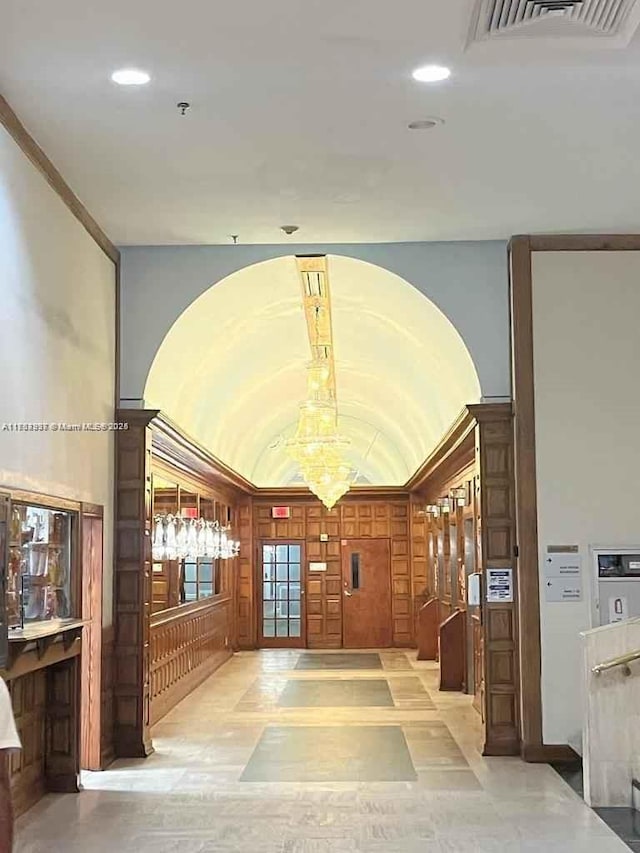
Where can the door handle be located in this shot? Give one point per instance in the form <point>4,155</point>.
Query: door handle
<point>347,593</point>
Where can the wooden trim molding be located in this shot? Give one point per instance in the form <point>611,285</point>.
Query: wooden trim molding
<point>582,242</point>
<point>173,445</point>
<point>301,494</point>
<point>30,148</point>
<point>526,492</point>
<point>557,753</point>
<point>460,431</point>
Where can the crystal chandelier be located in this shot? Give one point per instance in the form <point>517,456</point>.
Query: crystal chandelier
<point>177,538</point>
<point>317,446</point>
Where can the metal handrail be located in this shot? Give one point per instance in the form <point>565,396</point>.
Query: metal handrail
<point>623,660</point>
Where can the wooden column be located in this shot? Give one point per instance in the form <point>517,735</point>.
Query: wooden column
<point>494,459</point>
<point>132,592</point>
<point>245,620</point>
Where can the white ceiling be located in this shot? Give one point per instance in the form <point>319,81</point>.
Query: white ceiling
<point>231,370</point>
<point>299,115</point>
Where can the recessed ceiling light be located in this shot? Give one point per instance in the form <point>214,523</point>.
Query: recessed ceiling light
<point>425,123</point>
<point>431,73</point>
<point>130,77</point>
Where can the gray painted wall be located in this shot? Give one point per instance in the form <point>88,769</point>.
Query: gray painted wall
<point>467,281</point>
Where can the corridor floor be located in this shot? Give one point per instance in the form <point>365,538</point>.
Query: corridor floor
<point>289,752</point>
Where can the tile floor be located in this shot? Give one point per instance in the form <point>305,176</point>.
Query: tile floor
<point>237,770</point>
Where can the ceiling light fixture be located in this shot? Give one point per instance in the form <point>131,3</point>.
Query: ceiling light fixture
<point>431,73</point>
<point>130,77</point>
<point>317,446</point>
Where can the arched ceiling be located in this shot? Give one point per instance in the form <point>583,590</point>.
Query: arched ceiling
<point>231,370</point>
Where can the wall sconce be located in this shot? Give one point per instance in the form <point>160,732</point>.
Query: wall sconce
<point>460,496</point>
<point>433,509</point>
<point>444,505</point>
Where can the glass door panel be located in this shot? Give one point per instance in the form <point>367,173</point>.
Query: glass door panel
<point>282,594</point>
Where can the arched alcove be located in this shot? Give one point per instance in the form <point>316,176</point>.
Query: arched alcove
<point>231,370</point>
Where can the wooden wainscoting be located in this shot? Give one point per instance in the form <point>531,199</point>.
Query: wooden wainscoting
<point>379,518</point>
<point>28,779</point>
<point>188,643</point>
<point>107,750</point>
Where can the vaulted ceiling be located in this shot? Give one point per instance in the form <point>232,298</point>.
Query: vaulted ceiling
<point>231,371</point>
<point>299,114</point>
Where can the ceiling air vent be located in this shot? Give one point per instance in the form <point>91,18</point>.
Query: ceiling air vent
<point>614,20</point>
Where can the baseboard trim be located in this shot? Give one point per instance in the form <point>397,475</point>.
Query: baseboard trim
<point>496,750</point>
<point>548,753</point>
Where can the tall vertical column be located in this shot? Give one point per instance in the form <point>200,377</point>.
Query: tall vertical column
<point>494,459</point>
<point>132,585</point>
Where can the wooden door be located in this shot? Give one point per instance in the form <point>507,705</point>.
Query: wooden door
<point>91,675</point>
<point>366,587</point>
<point>281,611</point>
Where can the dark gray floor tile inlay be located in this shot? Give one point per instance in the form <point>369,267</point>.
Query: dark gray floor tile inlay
<point>625,822</point>
<point>330,754</point>
<point>347,660</point>
<point>336,693</point>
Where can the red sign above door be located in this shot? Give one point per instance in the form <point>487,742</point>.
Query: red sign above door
<point>280,512</point>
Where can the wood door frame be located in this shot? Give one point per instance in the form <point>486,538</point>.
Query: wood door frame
<point>388,540</point>
<point>277,642</point>
<point>521,248</point>
<point>91,722</point>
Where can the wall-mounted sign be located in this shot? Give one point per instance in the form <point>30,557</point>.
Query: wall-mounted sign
<point>317,567</point>
<point>562,565</point>
<point>499,585</point>
<point>563,573</point>
<point>324,537</point>
<point>280,512</point>
<point>563,589</point>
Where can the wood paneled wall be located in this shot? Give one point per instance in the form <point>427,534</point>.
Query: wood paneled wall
<point>245,635</point>
<point>45,694</point>
<point>479,452</point>
<point>107,752</point>
<point>159,659</point>
<point>494,443</point>
<point>132,593</point>
<point>352,519</point>
<point>28,782</point>
<point>187,644</point>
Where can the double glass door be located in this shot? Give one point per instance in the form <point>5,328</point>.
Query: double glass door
<point>282,595</point>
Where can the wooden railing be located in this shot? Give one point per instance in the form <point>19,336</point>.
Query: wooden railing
<point>187,644</point>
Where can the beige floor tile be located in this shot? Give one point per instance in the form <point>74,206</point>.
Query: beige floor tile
<point>188,796</point>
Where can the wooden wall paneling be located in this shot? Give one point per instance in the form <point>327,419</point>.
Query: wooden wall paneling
<point>494,437</point>
<point>402,604</point>
<point>421,588</point>
<point>62,726</point>
<point>245,629</point>
<point>91,532</point>
<point>132,593</point>
<point>187,645</point>
<point>365,520</point>
<point>27,767</point>
<point>323,589</point>
<point>107,749</point>
<point>375,518</point>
